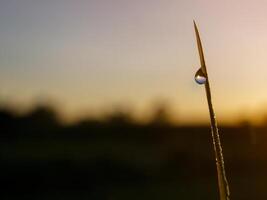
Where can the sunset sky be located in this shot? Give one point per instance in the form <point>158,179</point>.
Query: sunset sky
<point>90,55</point>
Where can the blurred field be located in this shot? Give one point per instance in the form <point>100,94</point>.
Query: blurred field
<point>117,159</point>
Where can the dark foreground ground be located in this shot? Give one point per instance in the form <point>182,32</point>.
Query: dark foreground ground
<point>119,160</point>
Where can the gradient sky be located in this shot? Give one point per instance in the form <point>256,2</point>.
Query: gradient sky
<point>88,55</point>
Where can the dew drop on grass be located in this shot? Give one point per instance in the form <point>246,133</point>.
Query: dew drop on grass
<point>200,77</point>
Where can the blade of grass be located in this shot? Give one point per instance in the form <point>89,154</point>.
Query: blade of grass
<point>222,180</point>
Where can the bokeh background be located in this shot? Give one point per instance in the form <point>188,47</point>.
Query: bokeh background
<point>98,99</point>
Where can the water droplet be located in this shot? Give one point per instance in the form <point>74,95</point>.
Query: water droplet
<point>200,77</point>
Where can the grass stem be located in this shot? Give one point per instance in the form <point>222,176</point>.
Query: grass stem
<point>222,180</point>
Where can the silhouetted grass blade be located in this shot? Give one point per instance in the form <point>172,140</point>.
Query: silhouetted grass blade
<point>222,180</point>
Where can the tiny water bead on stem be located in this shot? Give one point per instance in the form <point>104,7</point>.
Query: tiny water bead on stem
<point>201,77</point>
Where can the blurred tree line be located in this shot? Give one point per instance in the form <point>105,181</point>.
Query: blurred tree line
<point>119,158</point>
